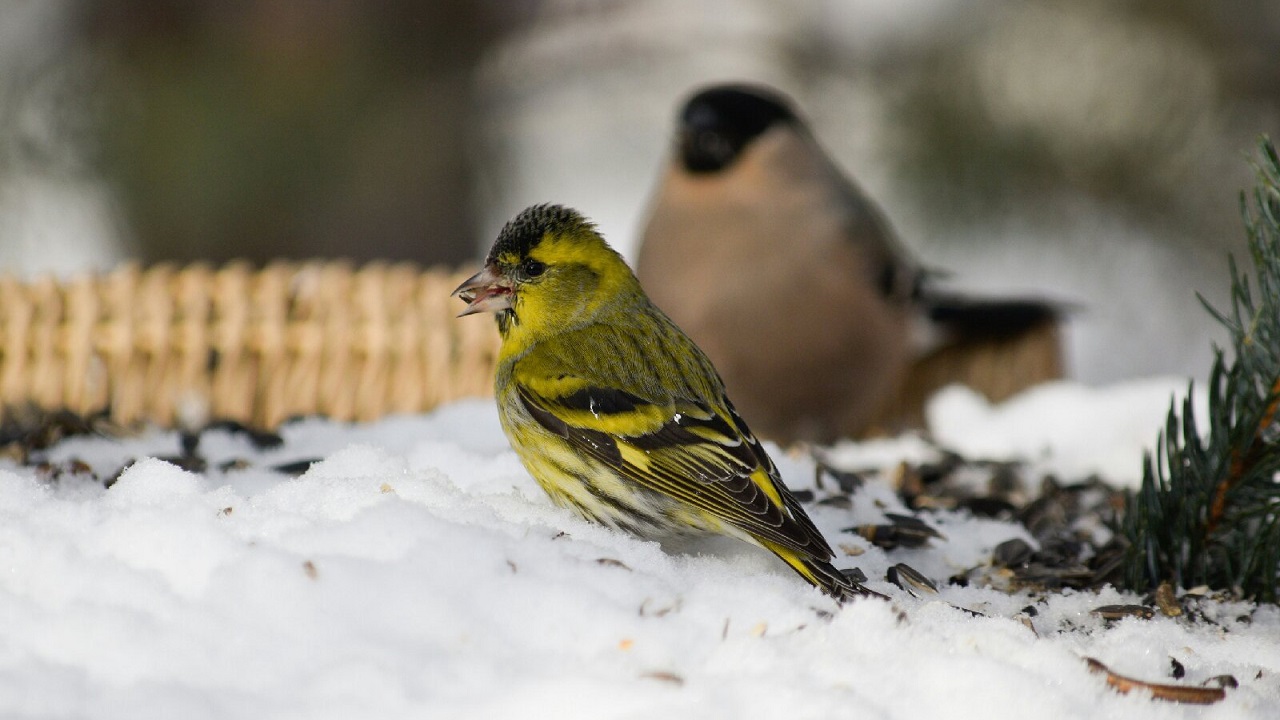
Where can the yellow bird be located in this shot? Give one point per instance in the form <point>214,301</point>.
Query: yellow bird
<point>615,412</point>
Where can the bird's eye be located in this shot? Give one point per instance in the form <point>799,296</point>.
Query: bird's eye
<point>533,268</point>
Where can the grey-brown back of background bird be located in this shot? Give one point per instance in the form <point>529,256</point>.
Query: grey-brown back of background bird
<point>789,278</point>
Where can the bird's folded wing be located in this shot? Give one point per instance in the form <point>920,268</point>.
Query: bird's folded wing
<point>682,449</point>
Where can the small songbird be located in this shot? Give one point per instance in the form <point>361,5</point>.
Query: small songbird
<point>779,267</point>
<point>616,412</point>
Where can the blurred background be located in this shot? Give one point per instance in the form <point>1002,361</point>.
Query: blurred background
<point>1091,152</point>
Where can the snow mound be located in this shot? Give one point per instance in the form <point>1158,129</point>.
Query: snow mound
<point>416,570</point>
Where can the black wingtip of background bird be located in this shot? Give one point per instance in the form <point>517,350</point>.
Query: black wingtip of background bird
<point>992,318</point>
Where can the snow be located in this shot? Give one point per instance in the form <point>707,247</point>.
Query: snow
<point>1065,428</point>
<point>418,571</point>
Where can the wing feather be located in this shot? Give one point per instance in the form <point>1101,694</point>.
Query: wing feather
<point>684,450</point>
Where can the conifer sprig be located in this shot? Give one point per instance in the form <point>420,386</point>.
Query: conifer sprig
<point>1208,511</point>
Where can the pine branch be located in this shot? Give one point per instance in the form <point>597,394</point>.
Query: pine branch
<point>1208,511</point>
<point>1242,462</point>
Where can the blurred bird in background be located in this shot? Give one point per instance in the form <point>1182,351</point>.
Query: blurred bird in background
<point>791,280</point>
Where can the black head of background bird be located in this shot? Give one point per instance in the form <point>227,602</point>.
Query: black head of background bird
<point>718,124</point>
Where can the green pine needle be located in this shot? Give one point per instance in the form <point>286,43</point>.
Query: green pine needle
<point>1208,511</point>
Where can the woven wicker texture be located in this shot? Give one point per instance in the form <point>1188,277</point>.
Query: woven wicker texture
<point>169,344</point>
<point>181,346</point>
<point>997,367</point>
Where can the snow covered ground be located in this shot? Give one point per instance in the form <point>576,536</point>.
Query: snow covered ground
<point>418,571</point>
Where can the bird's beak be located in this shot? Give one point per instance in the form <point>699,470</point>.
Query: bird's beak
<point>486,291</point>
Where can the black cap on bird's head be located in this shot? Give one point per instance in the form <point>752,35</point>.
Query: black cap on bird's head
<point>718,122</point>
<point>516,260</point>
<point>523,232</point>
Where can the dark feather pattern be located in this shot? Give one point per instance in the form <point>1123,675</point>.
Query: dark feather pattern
<point>714,476</point>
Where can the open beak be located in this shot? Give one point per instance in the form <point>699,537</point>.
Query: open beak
<point>486,291</point>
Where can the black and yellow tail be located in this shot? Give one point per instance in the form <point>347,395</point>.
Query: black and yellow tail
<point>823,575</point>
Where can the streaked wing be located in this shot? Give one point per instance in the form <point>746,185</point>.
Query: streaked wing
<point>684,450</point>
